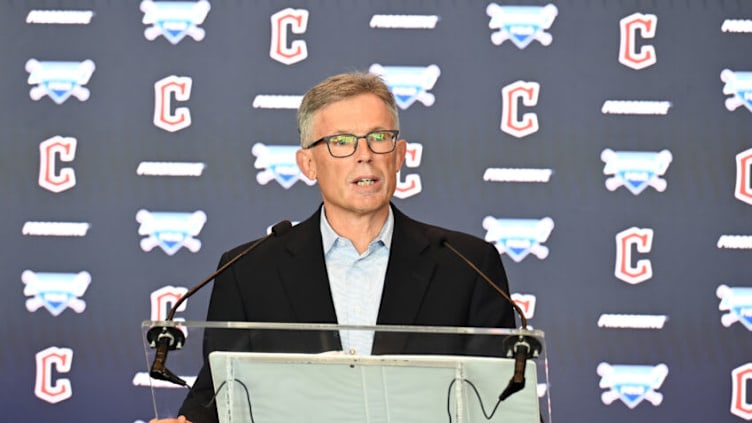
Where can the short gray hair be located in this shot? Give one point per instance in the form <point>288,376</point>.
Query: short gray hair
<point>341,87</point>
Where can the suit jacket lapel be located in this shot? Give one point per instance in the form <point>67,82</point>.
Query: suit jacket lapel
<point>303,274</point>
<point>408,275</point>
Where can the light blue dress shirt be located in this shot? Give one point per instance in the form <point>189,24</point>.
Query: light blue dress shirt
<point>356,281</point>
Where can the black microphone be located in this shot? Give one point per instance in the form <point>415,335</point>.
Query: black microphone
<point>521,347</point>
<point>167,338</point>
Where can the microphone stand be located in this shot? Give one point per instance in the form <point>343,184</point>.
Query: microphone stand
<point>521,347</point>
<point>169,337</point>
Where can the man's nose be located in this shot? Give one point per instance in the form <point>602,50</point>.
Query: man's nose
<point>363,152</point>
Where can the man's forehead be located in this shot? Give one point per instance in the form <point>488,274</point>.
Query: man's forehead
<point>358,114</point>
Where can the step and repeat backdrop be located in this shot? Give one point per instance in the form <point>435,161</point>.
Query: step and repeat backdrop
<point>604,147</point>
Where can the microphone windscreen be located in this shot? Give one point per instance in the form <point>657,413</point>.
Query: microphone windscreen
<point>281,228</point>
<point>436,236</point>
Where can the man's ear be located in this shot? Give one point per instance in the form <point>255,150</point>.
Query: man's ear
<point>306,164</point>
<point>401,150</point>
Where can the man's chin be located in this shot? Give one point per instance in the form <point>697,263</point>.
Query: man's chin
<point>369,205</point>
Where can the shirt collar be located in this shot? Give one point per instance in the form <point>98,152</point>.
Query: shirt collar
<point>329,236</point>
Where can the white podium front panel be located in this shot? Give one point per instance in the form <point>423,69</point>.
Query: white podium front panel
<point>281,387</point>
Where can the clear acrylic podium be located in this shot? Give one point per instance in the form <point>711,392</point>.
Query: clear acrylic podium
<point>289,372</point>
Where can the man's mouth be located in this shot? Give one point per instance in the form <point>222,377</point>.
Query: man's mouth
<point>365,182</point>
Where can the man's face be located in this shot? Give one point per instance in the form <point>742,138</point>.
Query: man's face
<point>360,184</point>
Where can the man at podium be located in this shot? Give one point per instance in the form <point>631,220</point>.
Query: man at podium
<point>357,260</point>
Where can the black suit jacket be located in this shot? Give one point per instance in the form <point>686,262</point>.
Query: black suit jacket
<point>285,280</point>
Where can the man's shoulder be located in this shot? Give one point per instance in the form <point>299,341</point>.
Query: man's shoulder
<point>302,230</point>
<point>438,234</point>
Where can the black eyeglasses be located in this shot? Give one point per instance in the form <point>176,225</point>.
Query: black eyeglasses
<point>344,145</point>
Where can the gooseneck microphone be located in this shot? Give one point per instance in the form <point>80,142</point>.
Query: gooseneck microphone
<point>520,347</point>
<point>167,338</point>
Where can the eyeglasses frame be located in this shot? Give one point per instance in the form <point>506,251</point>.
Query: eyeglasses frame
<point>394,132</point>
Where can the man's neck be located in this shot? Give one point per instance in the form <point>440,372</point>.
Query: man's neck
<point>360,229</point>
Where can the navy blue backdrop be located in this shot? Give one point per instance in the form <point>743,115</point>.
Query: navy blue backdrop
<point>605,147</point>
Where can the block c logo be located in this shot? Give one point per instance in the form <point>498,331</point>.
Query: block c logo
<point>743,189</point>
<point>297,22</point>
<point>740,377</point>
<point>528,93</point>
<point>49,360</point>
<point>49,178</point>
<point>164,117</point>
<point>163,299</point>
<point>642,240</point>
<point>526,302</point>
<point>412,184</point>
<point>628,54</point>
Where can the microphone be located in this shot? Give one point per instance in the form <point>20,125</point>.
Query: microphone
<point>521,347</point>
<point>167,338</point>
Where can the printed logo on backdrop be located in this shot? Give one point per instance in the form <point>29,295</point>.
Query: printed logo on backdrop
<point>636,107</point>
<point>59,17</point>
<point>163,299</point>
<point>59,80</point>
<point>632,383</point>
<point>277,163</point>
<point>511,121</point>
<point>521,24</point>
<point>412,184</point>
<point>632,321</point>
<point>170,168</point>
<point>736,25</point>
<point>743,187</point>
<point>741,377</point>
<point>404,21</point>
<point>74,229</point>
<point>734,242</point>
<point>526,302</point>
<point>639,240</point>
<point>512,174</point>
<point>174,19</point>
<point>519,237</point>
<point>287,21</point>
<point>48,362</point>
<point>63,148</point>
<point>165,89</point>
<point>277,101</point>
<point>636,170</point>
<point>170,231</point>
<point>409,83</point>
<point>633,51</point>
<point>55,291</point>
<point>737,302</point>
<point>739,86</point>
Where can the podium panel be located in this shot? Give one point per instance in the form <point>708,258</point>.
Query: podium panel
<point>280,372</point>
<point>277,388</point>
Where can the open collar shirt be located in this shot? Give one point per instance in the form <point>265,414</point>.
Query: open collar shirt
<point>356,281</point>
